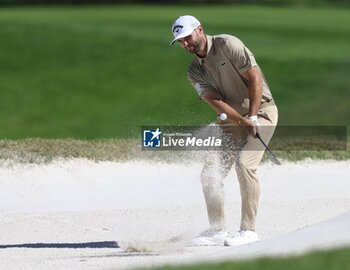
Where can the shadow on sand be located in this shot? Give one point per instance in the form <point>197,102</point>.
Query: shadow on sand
<point>104,244</point>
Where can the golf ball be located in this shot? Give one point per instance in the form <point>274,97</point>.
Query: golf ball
<point>223,116</point>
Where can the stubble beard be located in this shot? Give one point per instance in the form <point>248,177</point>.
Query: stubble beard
<point>195,48</point>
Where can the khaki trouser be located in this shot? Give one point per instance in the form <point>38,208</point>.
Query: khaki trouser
<point>246,160</point>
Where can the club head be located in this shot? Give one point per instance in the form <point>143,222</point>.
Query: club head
<point>275,160</point>
<point>271,155</point>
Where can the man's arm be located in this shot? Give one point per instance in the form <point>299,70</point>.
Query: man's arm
<point>215,100</point>
<point>255,86</point>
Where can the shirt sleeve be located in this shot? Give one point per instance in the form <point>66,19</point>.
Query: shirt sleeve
<point>239,55</point>
<point>200,85</point>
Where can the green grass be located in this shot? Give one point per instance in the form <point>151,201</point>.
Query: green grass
<point>103,72</point>
<point>338,259</point>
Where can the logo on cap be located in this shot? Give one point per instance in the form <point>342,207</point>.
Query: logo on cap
<point>177,28</point>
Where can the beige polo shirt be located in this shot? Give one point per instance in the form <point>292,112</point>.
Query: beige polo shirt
<point>227,58</point>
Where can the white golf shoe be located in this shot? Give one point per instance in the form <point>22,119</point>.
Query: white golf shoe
<point>210,238</point>
<point>242,238</point>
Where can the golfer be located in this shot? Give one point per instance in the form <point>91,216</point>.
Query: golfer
<point>226,76</point>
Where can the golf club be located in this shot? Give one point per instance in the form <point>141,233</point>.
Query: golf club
<point>271,155</point>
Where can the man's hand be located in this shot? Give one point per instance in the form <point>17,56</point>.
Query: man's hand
<point>251,124</point>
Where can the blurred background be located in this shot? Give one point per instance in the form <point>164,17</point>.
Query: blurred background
<point>102,69</point>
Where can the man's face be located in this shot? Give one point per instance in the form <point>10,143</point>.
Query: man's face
<point>191,43</point>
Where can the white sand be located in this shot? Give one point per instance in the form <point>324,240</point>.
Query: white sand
<point>142,205</point>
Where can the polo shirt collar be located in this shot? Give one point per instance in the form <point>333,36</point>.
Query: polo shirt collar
<point>209,45</point>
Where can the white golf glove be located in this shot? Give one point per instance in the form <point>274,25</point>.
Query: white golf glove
<point>254,118</point>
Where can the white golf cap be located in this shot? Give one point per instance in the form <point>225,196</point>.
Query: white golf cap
<point>183,27</point>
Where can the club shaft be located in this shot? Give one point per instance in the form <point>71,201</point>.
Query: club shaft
<point>268,149</point>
